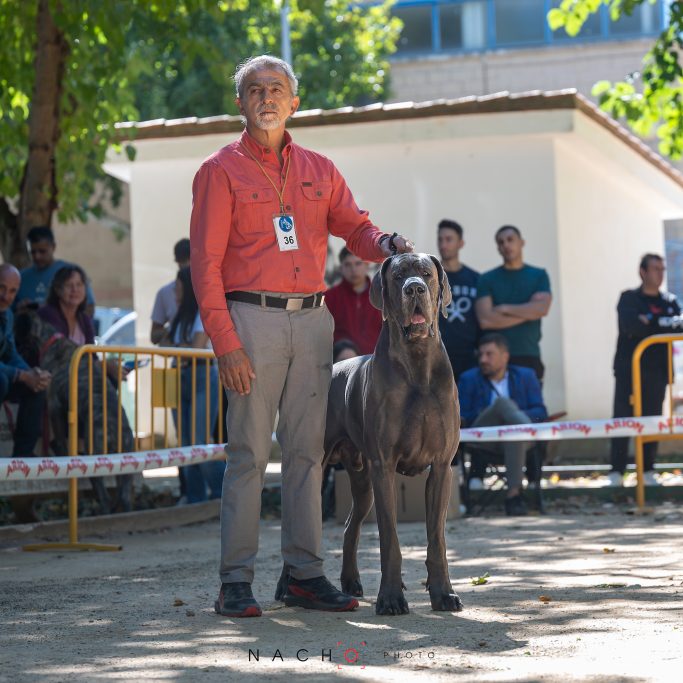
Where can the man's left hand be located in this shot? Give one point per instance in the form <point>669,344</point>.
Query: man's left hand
<point>403,246</point>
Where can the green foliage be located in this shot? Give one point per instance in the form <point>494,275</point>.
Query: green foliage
<point>339,52</point>
<point>135,59</point>
<point>651,99</point>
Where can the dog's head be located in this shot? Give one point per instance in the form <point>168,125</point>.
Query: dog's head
<point>410,289</point>
<point>31,335</point>
<point>28,334</point>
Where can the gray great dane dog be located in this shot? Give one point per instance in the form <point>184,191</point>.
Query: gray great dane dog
<point>397,411</point>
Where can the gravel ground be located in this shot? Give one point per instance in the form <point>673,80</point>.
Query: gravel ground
<point>595,595</point>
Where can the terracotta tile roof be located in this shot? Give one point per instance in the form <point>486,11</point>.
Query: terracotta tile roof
<point>534,100</point>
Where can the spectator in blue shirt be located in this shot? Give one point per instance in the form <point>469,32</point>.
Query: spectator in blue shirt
<point>496,393</point>
<point>18,382</point>
<point>36,279</point>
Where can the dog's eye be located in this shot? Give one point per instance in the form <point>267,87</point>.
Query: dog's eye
<point>427,273</point>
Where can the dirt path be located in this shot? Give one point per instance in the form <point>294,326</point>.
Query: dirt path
<point>612,616</point>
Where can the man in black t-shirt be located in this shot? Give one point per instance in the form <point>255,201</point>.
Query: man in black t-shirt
<point>460,331</point>
<point>642,312</point>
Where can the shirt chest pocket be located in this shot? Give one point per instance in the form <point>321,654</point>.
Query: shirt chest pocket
<point>253,210</point>
<point>316,202</point>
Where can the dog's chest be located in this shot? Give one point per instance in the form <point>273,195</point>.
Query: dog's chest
<point>422,426</point>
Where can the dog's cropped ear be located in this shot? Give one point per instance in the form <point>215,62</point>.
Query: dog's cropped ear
<point>378,287</point>
<point>445,293</point>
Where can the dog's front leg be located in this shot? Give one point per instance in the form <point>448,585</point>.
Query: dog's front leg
<point>390,599</point>
<point>437,493</point>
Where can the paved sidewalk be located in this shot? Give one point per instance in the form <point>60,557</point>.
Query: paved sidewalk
<point>595,595</point>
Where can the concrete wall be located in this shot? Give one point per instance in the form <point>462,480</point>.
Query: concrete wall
<point>608,217</point>
<point>600,245</point>
<point>543,68</point>
<point>407,176</point>
<point>588,207</point>
<point>103,249</point>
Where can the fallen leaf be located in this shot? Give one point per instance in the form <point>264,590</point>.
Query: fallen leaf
<point>544,598</point>
<point>481,580</point>
<point>178,602</point>
<point>608,550</point>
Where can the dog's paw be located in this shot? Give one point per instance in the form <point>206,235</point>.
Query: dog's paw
<point>391,603</point>
<point>445,602</point>
<point>352,587</point>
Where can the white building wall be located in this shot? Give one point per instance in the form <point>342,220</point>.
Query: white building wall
<point>587,205</point>
<point>408,175</point>
<point>606,222</point>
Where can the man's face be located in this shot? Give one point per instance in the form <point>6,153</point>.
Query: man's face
<point>510,245</point>
<point>267,101</point>
<point>492,359</point>
<point>653,275</point>
<point>354,270</point>
<point>450,244</point>
<point>9,286</point>
<point>42,253</point>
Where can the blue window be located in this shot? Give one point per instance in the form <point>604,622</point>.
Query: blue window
<point>438,26</point>
<point>462,25</point>
<point>519,21</point>
<point>417,27</point>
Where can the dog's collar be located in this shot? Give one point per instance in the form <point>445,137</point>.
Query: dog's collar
<point>44,348</point>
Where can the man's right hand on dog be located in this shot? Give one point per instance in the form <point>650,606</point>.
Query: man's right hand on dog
<point>236,371</point>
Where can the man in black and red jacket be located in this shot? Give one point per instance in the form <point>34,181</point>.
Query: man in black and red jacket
<point>642,312</point>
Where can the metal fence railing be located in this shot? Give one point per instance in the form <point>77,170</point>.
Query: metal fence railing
<point>179,381</point>
<point>669,432</point>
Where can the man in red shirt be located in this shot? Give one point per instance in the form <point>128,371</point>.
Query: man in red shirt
<point>355,318</point>
<point>263,209</point>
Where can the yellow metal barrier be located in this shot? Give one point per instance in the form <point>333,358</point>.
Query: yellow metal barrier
<point>165,392</point>
<point>637,402</point>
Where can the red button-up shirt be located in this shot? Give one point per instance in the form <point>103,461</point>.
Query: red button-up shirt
<point>233,241</point>
<point>355,318</point>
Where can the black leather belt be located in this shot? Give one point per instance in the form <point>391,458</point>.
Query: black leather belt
<point>294,304</point>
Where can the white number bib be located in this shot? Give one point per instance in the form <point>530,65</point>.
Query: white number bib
<point>285,232</point>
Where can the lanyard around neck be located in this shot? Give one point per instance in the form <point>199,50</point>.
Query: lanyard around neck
<point>281,195</point>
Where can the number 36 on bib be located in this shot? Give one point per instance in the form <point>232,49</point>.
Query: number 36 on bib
<point>285,231</point>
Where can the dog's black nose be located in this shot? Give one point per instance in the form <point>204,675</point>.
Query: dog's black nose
<point>414,286</point>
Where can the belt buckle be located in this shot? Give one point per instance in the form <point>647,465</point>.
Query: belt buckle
<point>294,304</point>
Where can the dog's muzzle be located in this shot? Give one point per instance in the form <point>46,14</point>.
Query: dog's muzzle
<point>414,286</point>
<point>415,289</point>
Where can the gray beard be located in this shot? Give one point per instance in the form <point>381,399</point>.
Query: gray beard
<point>270,124</point>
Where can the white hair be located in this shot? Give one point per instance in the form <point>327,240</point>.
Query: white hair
<point>264,62</point>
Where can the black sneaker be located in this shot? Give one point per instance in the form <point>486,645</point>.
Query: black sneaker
<point>318,593</point>
<point>237,600</point>
<point>515,506</point>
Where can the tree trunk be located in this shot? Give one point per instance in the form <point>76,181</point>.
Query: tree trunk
<point>9,231</point>
<point>38,198</point>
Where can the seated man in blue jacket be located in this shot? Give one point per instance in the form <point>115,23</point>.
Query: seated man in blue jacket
<point>18,382</point>
<point>496,393</point>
